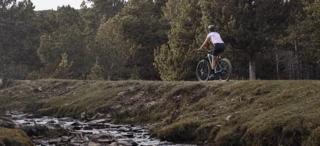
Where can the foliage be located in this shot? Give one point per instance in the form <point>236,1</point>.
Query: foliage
<point>249,27</point>
<point>176,60</point>
<point>130,38</point>
<point>66,39</point>
<point>91,18</point>
<point>33,75</point>
<point>95,73</point>
<point>63,70</point>
<point>18,37</point>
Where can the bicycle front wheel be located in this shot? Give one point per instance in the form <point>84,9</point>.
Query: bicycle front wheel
<point>203,70</point>
<point>226,69</point>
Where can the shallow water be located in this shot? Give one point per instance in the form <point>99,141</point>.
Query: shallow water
<point>87,133</point>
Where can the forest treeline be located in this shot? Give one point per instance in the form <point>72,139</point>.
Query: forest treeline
<point>156,39</point>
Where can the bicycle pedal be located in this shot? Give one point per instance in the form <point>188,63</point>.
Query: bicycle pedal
<point>211,76</point>
<point>217,71</point>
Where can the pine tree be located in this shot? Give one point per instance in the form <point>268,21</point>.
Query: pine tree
<point>63,70</point>
<point>177,60</point>
<point>306,41</point>
<point>67,37</point>
<point>95,73</point>
<point>249,25</point>
<point>18,38</point>
<point>132,36</point>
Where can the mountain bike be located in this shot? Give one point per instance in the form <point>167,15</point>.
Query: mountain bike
<point>223,68</point>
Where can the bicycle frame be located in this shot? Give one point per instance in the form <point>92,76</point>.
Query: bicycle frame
<point>218,65</point>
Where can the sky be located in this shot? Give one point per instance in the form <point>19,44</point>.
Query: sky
<point>53,4</point>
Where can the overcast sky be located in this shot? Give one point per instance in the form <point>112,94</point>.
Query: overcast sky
<point>53,4</point>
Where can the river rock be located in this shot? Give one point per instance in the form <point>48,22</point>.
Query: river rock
<point>137,130</point>
<point>8,124</point>
<point>40,142</point>
<point>54,141</point>
<point>77,141</point>
<point>93,144</point>
<point>124,143</point>
<point>36,130</point>
<point>77,128</point>
<point>129,135</point>
<point>105,141</point>
<point>51,122</point>
<point>75,124</point>
<point>99,126</point>
<point>102,138</point>
<point>66,119</point>
<point>98,121</point>
<point>87,128</point>
<point>124,129</point>
<point>66,138</point>
<point>54,125</point>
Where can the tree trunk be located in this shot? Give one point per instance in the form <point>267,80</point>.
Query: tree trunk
<point>314,70</point>
<point>252,68</point>
<point>298,68</point>
<point>277,64</point>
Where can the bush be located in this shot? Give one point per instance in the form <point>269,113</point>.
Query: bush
<point>33,75</point>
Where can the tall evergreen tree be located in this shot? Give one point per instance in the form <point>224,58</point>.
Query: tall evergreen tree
<point>18,38</point>
<point>66,38</point>
<point>92,17</point>
<point>137,29</point>
<point>303,39</point>
<point>248,26</point>
<point>176,59</point>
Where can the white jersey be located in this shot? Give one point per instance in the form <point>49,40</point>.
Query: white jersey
<point>214,37</point>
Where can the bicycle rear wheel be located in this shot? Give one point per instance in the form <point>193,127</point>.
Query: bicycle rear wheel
<point>203,70</point>
<point>226,70</point>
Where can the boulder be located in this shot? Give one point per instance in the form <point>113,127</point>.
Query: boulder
<point>6,123</point>
<point>36,130</point>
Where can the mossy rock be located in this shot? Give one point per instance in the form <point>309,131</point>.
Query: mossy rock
<point>14,137</point>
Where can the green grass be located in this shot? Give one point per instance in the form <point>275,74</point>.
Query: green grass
<point>232,113</point>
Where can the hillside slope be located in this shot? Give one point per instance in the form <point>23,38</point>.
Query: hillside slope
<point>232,113</point>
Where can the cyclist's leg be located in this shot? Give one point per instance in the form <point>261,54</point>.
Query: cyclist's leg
<point>218,49</point>
<point>214,59</point>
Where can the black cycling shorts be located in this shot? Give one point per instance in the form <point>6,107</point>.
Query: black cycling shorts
<point>218,48</point>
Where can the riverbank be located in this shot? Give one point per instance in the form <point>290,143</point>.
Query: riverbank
<point>232,113</point>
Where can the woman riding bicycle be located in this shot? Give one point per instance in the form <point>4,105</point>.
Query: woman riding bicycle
<point>216,40</point>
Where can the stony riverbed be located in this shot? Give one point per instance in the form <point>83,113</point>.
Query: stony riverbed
<point>49,131</point>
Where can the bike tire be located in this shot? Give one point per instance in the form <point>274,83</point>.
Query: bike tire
<point>226,70</point>
<point>203,70</point>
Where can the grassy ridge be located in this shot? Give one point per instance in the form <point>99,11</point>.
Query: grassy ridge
<point>232,113</point>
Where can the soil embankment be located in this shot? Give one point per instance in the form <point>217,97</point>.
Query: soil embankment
<point>213,113</point>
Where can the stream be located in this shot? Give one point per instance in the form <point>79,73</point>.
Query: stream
<point>70,132</point>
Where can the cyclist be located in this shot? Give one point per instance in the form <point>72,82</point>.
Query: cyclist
<point>216,40</point>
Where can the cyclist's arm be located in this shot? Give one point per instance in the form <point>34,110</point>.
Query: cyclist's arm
<point>205,42</point>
